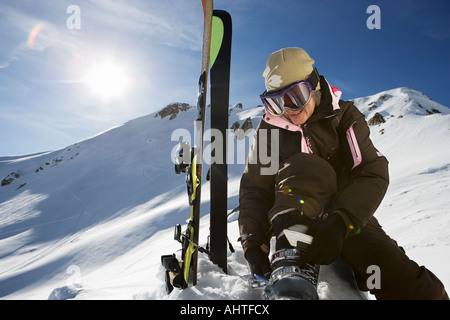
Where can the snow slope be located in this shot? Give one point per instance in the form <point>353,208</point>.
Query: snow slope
<point>92,220</point>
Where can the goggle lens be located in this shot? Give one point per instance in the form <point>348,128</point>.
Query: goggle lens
<point>294,97</point>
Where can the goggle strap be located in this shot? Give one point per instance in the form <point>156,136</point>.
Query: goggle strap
<point>314,78</point>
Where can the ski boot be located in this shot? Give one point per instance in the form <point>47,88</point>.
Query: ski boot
<point>174,275</point>
<point>288,280</point>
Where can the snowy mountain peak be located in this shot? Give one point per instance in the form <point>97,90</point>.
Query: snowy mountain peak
<point>399,102</point>
<point>173,110</point>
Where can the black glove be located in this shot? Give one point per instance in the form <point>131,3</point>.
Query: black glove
<point>258,261</point>
<point>328,234</point>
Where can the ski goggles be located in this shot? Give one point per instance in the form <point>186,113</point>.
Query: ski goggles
<point>294,97</point>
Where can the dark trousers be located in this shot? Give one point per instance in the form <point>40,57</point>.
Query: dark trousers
<point>398,276</point>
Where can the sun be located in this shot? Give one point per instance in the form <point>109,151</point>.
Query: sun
<point>107,80</point>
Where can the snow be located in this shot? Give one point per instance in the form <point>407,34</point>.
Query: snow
<point>92,220</point>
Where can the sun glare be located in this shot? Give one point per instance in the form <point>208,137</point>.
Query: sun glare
<point>107,80</point>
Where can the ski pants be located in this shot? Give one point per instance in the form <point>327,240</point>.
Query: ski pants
<point>382,267</point>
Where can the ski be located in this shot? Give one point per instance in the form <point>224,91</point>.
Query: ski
<point>180,274</point>
<point>220,83</point>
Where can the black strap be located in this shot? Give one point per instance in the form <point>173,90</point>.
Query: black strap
<point>314,78</point>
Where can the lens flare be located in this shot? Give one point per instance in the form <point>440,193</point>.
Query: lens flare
<point>286,189</point>
<point>34,33</point>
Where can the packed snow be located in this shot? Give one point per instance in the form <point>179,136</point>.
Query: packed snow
<point>92,220</point>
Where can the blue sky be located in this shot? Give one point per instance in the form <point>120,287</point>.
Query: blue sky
<point>51,96</point>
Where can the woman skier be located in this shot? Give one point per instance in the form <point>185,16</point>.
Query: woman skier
<point>329,182</point>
